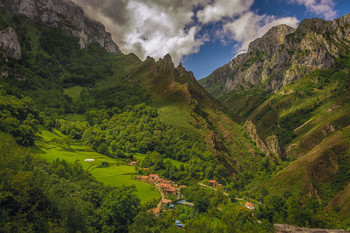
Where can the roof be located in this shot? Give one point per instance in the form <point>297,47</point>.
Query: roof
<point>154,211</point>
<point>153,175</point>
<point>164,185</point>
<point>159,179</point>
<point>183,186</point>
<point>212,181</point>
<point>166,201</point>
<point>138,177</point>
<point>167,181</point>
<point>133,162</point>
<point>170,189</point>
<point>144,177</point>
<point>219,185</point>
<point>249,204</point>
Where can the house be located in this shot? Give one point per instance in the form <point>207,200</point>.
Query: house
<point>249,205</point>
<point>145,169</point>
<point>89,160</point>
<point>219,185</point>
<point>138,177</point>
<point>133,163</point>
<point>166,203</point>
<point>164,186</point>
<point>153,177</point>
<point>213,183</point>
<point>159,180</point>
<point>170,190</point>
<point>154,211</point>
<point>183,186</point>
<point>144,178</point>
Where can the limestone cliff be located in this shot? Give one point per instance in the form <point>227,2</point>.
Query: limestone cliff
<point>284,228</point>
<point>283,55</point>
<point>272,148</point>
<point>9,43</point>
<point>66,15</point>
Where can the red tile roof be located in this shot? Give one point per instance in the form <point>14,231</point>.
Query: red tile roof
<point>212,181</point>
<point>154,211</point>
<point>183,186</point>
<point>153,175</point>
<point>167,201</point>
<point>249,204</point>
<point>144,177</point>
<point>164,185</point>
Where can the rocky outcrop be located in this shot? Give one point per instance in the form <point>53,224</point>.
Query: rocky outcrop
<point>165,65</point>
<point>275,147</point>
<point>10,43</point>
<point>284,228</point>
<point>272,148</point>
<point>283,55</point>
<point>251,128</point>
<point>66,15</point>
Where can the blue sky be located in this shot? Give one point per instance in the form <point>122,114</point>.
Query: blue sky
<point>202,34</point>
<point>215,54</point>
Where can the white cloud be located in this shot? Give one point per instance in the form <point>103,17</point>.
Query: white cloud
<point>319,7</point>
<point>157,27</point>
<point>251,26</point>
<point>223,8</point>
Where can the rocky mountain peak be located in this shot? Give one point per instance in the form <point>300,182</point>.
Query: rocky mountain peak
<point>10,43</point>
<point>66,15</point>
<point>271,40</point>
<point>283,55</point>
<point>166,64</point>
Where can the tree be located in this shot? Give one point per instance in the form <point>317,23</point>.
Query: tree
<point>119,209</point>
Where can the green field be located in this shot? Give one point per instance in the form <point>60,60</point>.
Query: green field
<point>54,145</point>
<point>174,162</point>
<point>73,92</point>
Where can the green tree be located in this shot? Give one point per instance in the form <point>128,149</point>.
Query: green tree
<point>119,209</point>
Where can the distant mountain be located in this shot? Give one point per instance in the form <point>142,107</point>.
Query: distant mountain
<point>64,14</point>
<point>283,55</point>
<point>295,84</point>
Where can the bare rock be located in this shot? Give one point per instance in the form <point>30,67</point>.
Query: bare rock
<point>284,228</point>
<point>251,128</point>
<point>66,15</point>
<point>275,147</point>
<point>9,42</point>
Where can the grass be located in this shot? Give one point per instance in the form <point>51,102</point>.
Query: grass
<point>174,162</point>
<point>52,146</point>
<point>73,92</point>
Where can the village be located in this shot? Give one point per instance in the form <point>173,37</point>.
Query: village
<point>171,193</point>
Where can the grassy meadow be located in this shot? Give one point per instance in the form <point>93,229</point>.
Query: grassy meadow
<point>54,145</point>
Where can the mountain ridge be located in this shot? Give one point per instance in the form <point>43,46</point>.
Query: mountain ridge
<point>66,15</point>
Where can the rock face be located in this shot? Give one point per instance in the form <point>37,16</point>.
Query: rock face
<point>9,42</point>
<point>272,148</point>
<point>283,55</point>
<point>66,15</point>
<point>284,228</point>
<point>275,147</point>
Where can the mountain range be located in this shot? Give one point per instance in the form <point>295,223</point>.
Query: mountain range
<point>271,125</point>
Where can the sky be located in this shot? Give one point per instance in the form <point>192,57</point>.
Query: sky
<point>201,34</point>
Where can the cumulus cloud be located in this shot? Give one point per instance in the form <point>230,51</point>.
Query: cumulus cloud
<point>157,27</point>
<point>319,7</point>
<point>251,26</point>
<point>223,8</point>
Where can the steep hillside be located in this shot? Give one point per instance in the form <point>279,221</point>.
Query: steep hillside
<point>51,61</point>
<point>294,83</point>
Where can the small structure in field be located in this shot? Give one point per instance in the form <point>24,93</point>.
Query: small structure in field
<point>249,205</point>
<point>166,203</point>
<point>144,178</point>
<point>213,183</point>
<point>153,177</point>
<point>89,160</point>
<point>183,186</point>
<point>133,163</point>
